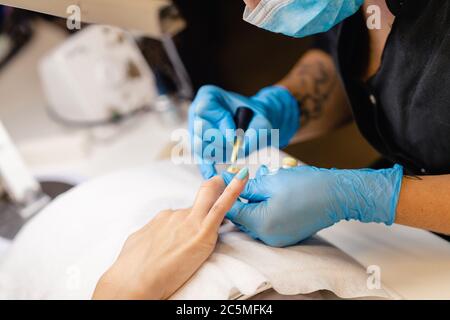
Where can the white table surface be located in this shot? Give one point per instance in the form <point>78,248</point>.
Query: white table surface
<point>4,246</point>
<point>414,263</point>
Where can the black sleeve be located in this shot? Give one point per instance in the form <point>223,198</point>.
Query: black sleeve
<point>321,42</point>
<point>327,41</point>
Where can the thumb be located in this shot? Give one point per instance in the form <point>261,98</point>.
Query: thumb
<point>262,171</point>
<point>256,190</point>
<point>247,216</point>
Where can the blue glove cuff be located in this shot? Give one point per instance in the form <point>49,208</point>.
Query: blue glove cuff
<point>374,193</point>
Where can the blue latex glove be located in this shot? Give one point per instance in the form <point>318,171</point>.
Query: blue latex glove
<point>292,205</point>
<point>214,109</point>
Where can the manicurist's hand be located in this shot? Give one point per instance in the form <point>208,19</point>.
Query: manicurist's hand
<point>292,205</point>
<point>159,258</point>
<point>211,115</point>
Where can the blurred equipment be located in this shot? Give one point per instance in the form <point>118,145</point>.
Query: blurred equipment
<point>20,187</point>
<point>97,76</point>
<point>21,195</point>
<point>154,18</point>
<point>15,32</point>
<point>100,76</point>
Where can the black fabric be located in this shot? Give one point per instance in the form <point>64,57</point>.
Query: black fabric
<point>395,6</point>
<point>404,110</point>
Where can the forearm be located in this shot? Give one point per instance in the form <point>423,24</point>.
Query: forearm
<point>425,203</point>
<point>321,96</point>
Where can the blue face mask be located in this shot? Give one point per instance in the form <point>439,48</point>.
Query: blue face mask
<point>300,18</point>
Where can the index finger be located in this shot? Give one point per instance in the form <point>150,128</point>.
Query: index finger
<point>226,201</point>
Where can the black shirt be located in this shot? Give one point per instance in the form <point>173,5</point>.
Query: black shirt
<point>404,109</point>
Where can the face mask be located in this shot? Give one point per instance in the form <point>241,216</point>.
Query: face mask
<point>300,18</point>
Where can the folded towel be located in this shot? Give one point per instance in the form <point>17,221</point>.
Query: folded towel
<point>64,250</point>
<point>244,267</point>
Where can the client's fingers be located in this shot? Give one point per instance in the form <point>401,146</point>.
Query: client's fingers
<point>208,194</point>
<point>226,201</point>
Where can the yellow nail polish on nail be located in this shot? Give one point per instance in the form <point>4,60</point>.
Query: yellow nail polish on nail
<point>233,169</point>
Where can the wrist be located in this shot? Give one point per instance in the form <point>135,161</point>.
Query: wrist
<point>114,285</point>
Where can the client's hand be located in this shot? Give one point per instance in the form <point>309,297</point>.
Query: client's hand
<point>159,258</point>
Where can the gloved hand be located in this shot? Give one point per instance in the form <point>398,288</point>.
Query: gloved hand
<point>214,109</point>
<point>293,204</point>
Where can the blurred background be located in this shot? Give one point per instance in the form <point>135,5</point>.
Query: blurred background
<point>40,59</point>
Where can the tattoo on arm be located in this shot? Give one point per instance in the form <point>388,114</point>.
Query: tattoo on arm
<point>316,83</point>
<point>412,177</point>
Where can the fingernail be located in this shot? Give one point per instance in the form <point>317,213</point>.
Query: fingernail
<point>243,173</point>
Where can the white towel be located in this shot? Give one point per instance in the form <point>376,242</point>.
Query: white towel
<point>63,251</point>
<point>4,246</point>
